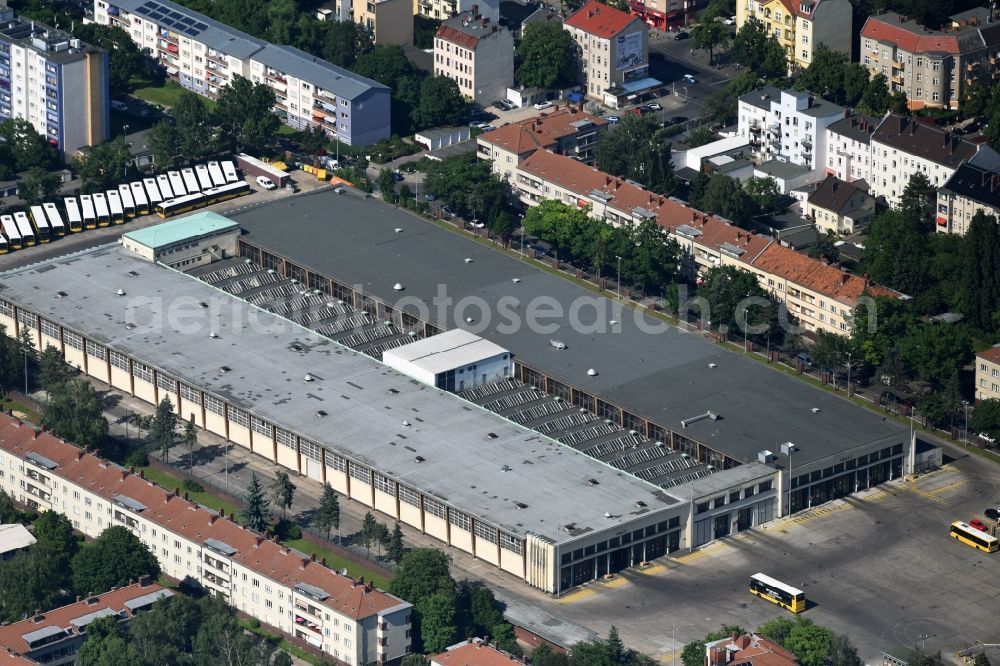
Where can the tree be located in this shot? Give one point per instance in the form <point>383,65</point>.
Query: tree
<point>764,192</point>
<point>244,116</point>
<point>810,643</point>
<point>761,53</point>
<point>985,418</point>
<point>829,350</point>
<point>441,103</point>
<point>616,648</point>
<point>711,35</point>
<point>544,656</point>
<point>724,196</point>
<point>484,610</point>
<point>693,654</point>
<point>189,438</point>
<point>825,74</point>
<point>505,639</point>
<point>737,302</point>
<point>39,185</point>
<point>313,140</point>
<point>918,200</point>
<point>107,644</point>
<point>282,491</point>
<point>394,549</point>
<point>980,660</point>
<point>979,277</point>
<point>437,621</point>
<point>468,185</point>
<point>699,137</point>
<point>125,60</point>
<point>344,42</point>
<point>29,582</point>
<point>369,531</point>
<point>421,573</point>
<point>285,659</point>
<point>74,413</point>
<point>116,557</point>
<point>635,148</point>
<point>104,165</point>
<point>825,248</point>
<point>415,659</point>
<point>27,148</point>
<point>386,184</point>
<point>255,513</point>
<point>194,122</point>
<point>777,630</point>
<point>842,653</point>
<point>894,240</point>
<point>328,516</point>
<point>9,513</point>
<point>54,536</point>
<point>53,373</point>
<point>27,354</point>
<point>546,56</point>
<point>163,428</point>
<point>165,144</point>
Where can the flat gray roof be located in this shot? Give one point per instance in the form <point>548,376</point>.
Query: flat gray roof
<point>663,376</point>
<point>782,170</point>
<point>190,23</point>
<point>295,62</point>
<point>725,479</point>
<point>518,480</point>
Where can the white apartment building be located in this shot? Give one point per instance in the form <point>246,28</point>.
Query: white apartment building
<point>969,190</point>
<point>283,588</point>
<point>902,146</point>
<point>788,126</point>
<point>204,56</point>
<point>444,9</point>
<point>988,374</point>
<point>57,83</point>
<point>476,53</point>
<point>612,47</point>
<point>848,148</point>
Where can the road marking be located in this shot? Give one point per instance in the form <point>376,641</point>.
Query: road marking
<point>812,514</point>
<point>668,657</point>
<point>652,570</point>
<point>617,581</point>
<point>576,595</point>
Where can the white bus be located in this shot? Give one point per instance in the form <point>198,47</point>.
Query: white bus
<point>73,215</point>
<point>190,181</point>
<point>89,215</point>
<point>215,171</point>
<point>128,201</point>
<point>4,247</point>
<point>41,224</point>
<point>56,226</point>
<point>24,228</point>
<point>163,184</point>
<point>229,171</point>
<point>101,207</point>
<point>153,193</point>
<point>176,184</point>
<point>10,231</point>
<point>115,206</point>
<point>139,196</point>
<point>204,178</point>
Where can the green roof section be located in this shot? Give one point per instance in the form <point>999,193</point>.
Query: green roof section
<point>176,231</point>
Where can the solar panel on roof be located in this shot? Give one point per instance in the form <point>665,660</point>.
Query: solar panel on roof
<point>188,20</point>
<point>200,26</point>
<point>176,15</point>
<point>156,16</point>
<point>149,5</point>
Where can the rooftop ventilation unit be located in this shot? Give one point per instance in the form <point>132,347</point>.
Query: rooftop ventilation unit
<point>308,377</point>
<point>468,260</point>
<point>815,410</point>
<point>419,459</point>
<point>398,230</point>
<point>607,514</point>
<point>520,505</point>
<point>613,322</point>
<point>661,444</point>
<point>701,417</point>
<point>247,261</point>
<point>491,435</point>
<point>61,294</point>
<point>713,365</point>
<point>765,457</point>
<point>640,504</point>
<point>406,424</point>
<point>516,280</point>
<point>469,320</point>
<point>398,286</point>
<point>225,369</point>
<point>120,292</point>
<point>213,335</point>
<point>591,372</point>
<point>592,482</point>
<point>506,468</point>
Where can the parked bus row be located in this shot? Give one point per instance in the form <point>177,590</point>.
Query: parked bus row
<point>167,194</point>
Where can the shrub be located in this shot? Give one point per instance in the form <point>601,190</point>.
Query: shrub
<point>137,458</point>
<point>192,486</point>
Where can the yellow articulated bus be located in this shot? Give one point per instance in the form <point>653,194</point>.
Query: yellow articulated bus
<point>970,536</point>
<point>778,593</point>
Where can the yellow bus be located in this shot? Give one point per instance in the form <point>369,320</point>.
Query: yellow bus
<point>970,536</point>
<point>777,592</point>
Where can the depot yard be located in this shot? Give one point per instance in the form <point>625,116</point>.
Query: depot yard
<point>878,566</point>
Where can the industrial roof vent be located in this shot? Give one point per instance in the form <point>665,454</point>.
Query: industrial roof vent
<point>61,294</point>
<point>640,504</point>
<point>320,413</point>
<point>506,468</point>
<point>592,482</point>
<point>308,377</point>
<point>419,459</point>
<point>713,365</point>
<point>765,457</point>
<point>213,335</point>
<point>120,292</point>
<point>591,372</point>
<point>520,505</point>
<point>224,369</point>
<point>398,286</point>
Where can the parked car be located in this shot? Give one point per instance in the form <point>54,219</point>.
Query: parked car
<point>447,212</point>
<point>430,197</point>
<point>543,105</point>
<point>117,105</point>
<point>730,21</point>
<point>806,359</point>
<point>682,35</point>
<point>979,525</point>
<point>654,106</point>
<point>689,78</point>
<point>266,183</point>
<point>398,176</point>
<point>612,119</point>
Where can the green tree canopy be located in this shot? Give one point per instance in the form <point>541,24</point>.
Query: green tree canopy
<point>422,573</point>
<point>894,240</point>
<point>39,185</point>
<point>282,491</point>
<point>104,166</point>
<point>636,148</point>
<point>163,428</point>
<point>244,114</point>
<point>737,301</point>
<point>255,513</point>
<point>985,418</point>
<point>761,53</point>
<point>74,413</point>
<point>711,35</point>
<point>724,196</point>
<point>25,147</point>
<point>328,516</point>
<point>441,103</point>
<point>437,621</point>
<point>112,560</point>
<point>546,56</point>
<point>979,273</point>
<point>108,644</point>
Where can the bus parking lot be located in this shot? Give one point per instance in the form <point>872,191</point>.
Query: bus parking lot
<point>878,566</point>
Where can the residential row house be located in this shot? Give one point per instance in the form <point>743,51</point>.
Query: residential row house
<point>55,82</point>
<point>932,68</point>
<point>476,53</point>
<point>474,652</point>
<point>969,190</point>
<point>204,56</point>
<point>848,147</point>
<point>988,374</point>
<point>788,126</point>
<point>747,650</point>
<point>55,636</point>
<point>445,9</point>
<point>839,207</point>
<point>344,618</point>
<point>612,47</point>
<point>820,296</point>
<point>801,25</point>
<point>565,130</point>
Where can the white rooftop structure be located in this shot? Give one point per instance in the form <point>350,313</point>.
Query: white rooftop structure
<point>446,351</point>
<point>14,537</point>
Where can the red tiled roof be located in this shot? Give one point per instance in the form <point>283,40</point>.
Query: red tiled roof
<point>271,560</point>
<point>62,618</point>
<point>542,132</point>
<point>456,36</point>
<point>755,650</point>
<point>8,659</point>
<point>474,654</point>
<point>600,20</point>
<point>991,354</point>
<point>907,35</point>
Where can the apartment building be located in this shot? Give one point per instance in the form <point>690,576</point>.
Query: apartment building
<point>204,55</point>
<point>388,21</point>
<point>788,126</point>
<point>747,650</point>
<point>54,637</point>
<point>821,297</point>
<point>445,9</point>
<point>839,207</point>
<point>54,81</point>
<point>848,148</point>
<point>932,67</point>
<point>659,14</point>
<point>564,130</point>
<point>801,25</point>
<point>969,190</point>
<point>474,652</point>
<point>902,146</point>
<point>476,53</point>
<point>988,374</point>
<point>612,47</point>
<point>283,588</point>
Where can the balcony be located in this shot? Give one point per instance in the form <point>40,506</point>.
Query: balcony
<point>35,476</point>
<point>310,610</point>
<point>215,57</point>
<point>216,564</point>
<point>40,494</point>
<point>216,581</point>
<point>897,78</point>
<point>897,64</point>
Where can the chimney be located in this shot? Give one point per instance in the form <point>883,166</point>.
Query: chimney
<point>212,518</point>
<point>35,434</point>
<point>313,557</point>
<point>144,581</point>
<point>185,496</point>
<point>323,561</point>
<point>142,474</point>
<point>993,182</point>
<point>124,474</point>
<point>131,470</point>
<point>475,11</point>
<point>230,515</point>
<point>844,277</point>
<point>79,454</point>
<point>361,580</point>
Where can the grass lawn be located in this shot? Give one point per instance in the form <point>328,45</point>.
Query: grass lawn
<point>285,130</point>
<point>31,414</point>
<point>165,95</point>
<point>169,481</point>
<point>335,561</point>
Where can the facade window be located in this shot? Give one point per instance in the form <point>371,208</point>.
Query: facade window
<point>190,394</point>
<point>119,360</point>
<point>214,405</point>
<point>73,340</point>
<point>460,520</point>
<point>239,417</point>
<point>310,450</point>
<point>409,496</point>
<point>338,463</point>
<point>166,383</point>
<point>285,438</point>
<point>260,426</point>
<point>385,484</point>
<point>361,473</point>
<point>434,508</point>
<point>96,350</point>
<point>6,309</point>
<point>49,329</point>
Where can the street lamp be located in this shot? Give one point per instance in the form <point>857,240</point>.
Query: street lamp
<point>848,374</point>
<point>965,403</point>
<point>788,449</point>
<point>618,282</point>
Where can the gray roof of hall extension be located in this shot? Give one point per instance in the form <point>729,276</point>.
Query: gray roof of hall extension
<point>762,97</point>
<point>462,464</point>
<point>664,376</point>
<point>298,63</point>
<point>215,35</point>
